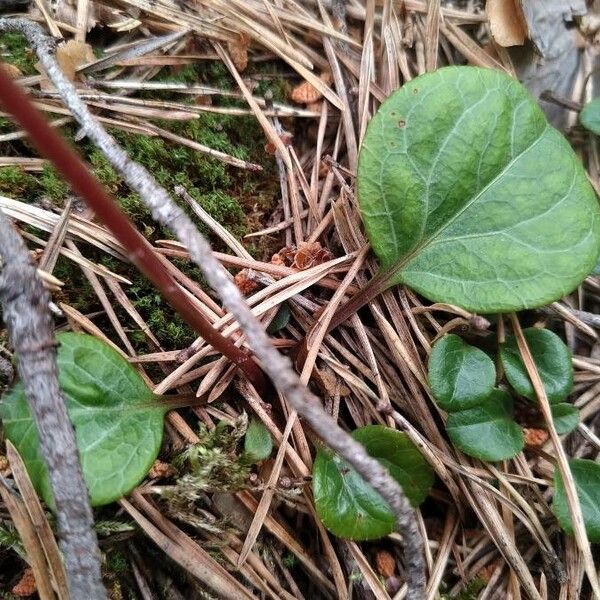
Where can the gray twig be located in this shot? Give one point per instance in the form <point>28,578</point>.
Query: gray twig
<point>27,316</point>
<point>278,367</point>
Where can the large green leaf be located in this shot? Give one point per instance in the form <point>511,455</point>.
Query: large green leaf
<point>117,427</point>
<point>469,196</point>
<point>589,117</point>
<point>460,375</point>
<point>565,417</point>
<point>487,431</point>
<point>349,507</point>
<point>586,474</point>
<point>552,359</point>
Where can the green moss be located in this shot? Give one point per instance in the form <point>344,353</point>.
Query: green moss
<point>469,592</point>
<point>15,50</point>
<point>117,562</point>
<point>6,125</point>
<point>17,183</point>
<point>52,185</point>
<point>167,326</point>
<point>103,171</point>
<point>234,197</point>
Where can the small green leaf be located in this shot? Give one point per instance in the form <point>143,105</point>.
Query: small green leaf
<point>460,375</point>
<point>552,359</point>
<point>117,429</point>
<point>565,417</point>
<point>349,507</point>
<point>589,117</point>
<point>258,444</point>
<point>280,320</point>
<point>470,197</point>
<point>487,431</point>
<point>586,474</point>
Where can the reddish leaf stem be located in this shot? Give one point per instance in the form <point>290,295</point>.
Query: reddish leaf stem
<point>51,145</point>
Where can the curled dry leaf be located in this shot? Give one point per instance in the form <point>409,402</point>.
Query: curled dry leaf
<point>72,55</point>
<point>12,71</point>
<point>244,283</point>
<point>238,51</point>
<point>161,470</point>
<point>309,254</point>
<point>385,563</point>
<point>285,257</point>
<point>535,436</point>
<point>306,93</point>
<point>507,22</point>
<point>26,586</point>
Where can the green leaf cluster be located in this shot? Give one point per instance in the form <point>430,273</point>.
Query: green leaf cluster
<point>352,509</point>
<point>480,421</point>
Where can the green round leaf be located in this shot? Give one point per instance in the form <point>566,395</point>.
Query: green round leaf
<point>460,375</point>
<point>565,417</point>
<point>349,507</point>
<point>118,431</point>
<point>589,117</point>
<point>280,320</point>
<point>487,431</point>
<point>586,474</point>
<point>552,359</point>
<point>470,197</point>
<point>257,441</point>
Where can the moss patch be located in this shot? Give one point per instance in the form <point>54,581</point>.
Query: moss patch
<point>15,50</point>
<point>238,199</point>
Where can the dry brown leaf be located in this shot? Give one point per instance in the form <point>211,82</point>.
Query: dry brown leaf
<point>535,436</point>
<point>244,283</point>
<point>238,51</point>
<point>10,70</point>
<point>161,470</point>
<point>507,22</point>
<point>26,586</point>
<point>72,55</point>
<point>285,257</point>
<point>306,93</point>
<point>286,137</point>
<point>310,254</point>
<point>385,563</point>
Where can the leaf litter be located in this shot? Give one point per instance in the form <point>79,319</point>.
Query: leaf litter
<point>311,73</point>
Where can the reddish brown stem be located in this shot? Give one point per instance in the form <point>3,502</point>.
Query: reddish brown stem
<point>374,287</point>
<point>51,145</point>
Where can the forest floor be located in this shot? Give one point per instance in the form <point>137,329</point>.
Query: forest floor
<point>283,90</point>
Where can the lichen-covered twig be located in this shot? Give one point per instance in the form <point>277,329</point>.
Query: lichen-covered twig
<point>27,317</point>
<point>278,367</point>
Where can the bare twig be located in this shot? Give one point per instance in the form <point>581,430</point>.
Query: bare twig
<point>278,367</point>
<point>25,309</point>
